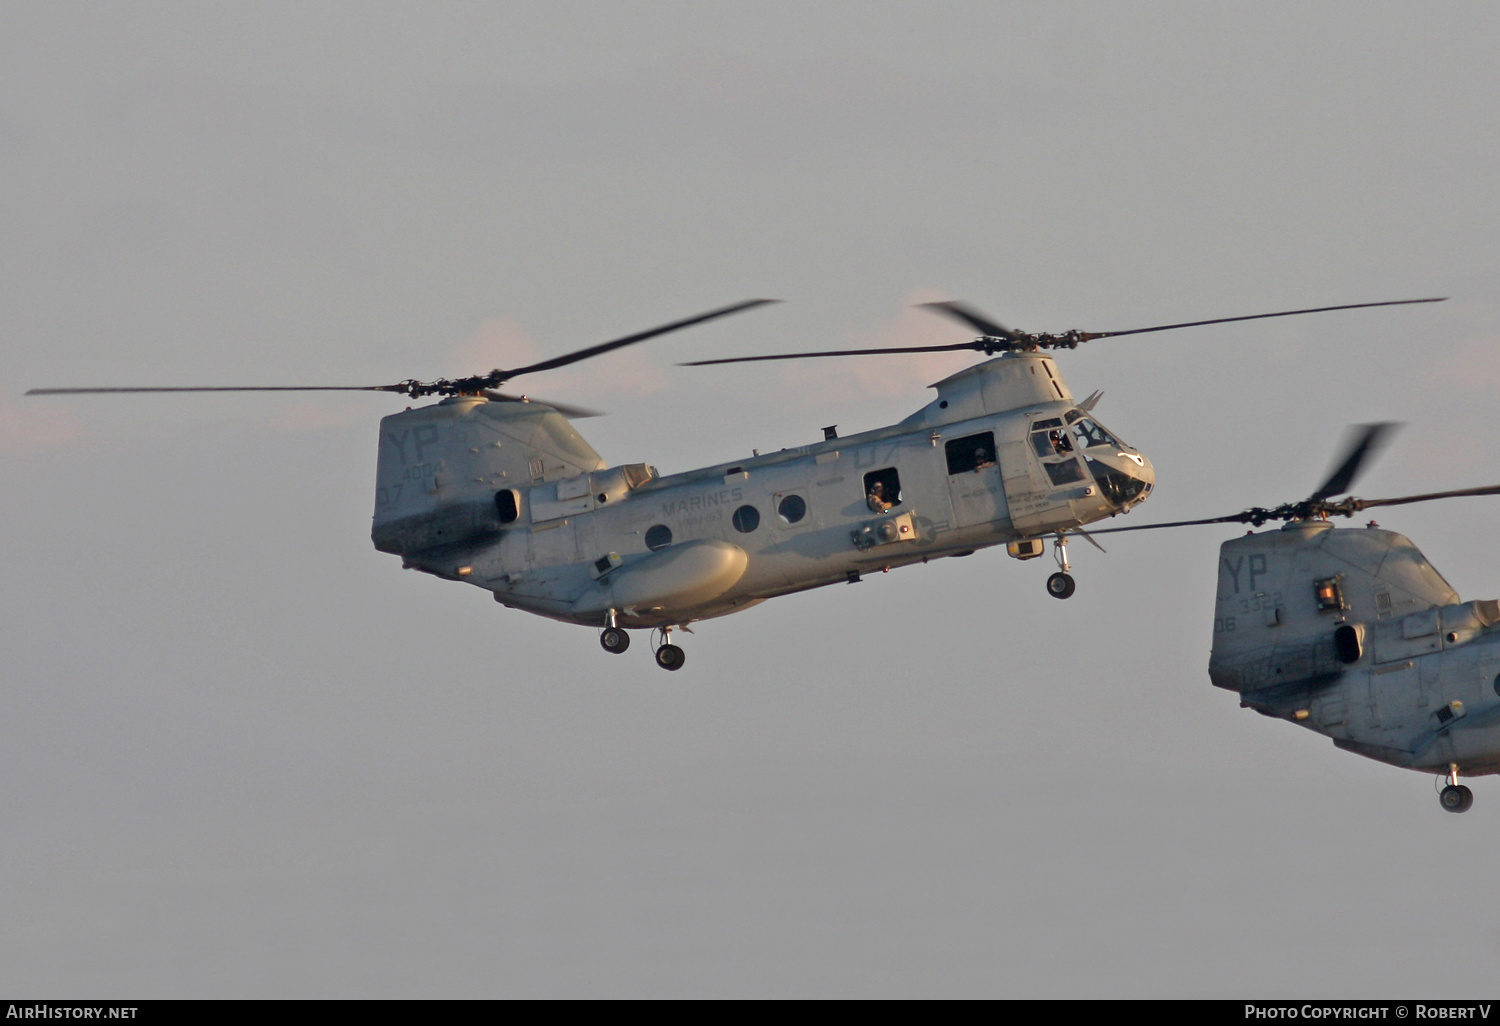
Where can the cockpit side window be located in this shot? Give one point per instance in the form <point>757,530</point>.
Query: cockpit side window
<point>1048,440</point>
<point>1051,441</point>
<point>972,452</point>
<point>1064,472</point>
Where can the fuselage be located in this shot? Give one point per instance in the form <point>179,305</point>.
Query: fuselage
<point>1002,454</point>
<point>1353,634</point>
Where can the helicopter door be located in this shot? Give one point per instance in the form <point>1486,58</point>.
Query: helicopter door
<point>974,482</point>
<point>1035,470</point>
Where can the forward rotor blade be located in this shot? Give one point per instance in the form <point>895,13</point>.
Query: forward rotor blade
<point>1361,447</point>
<point>605,347</point>
<point>1233,518</point>
<point>1257,317</point>
<point>223,388</point>
<point>571,412</point>
<point>973,318</point>
<point>836,352</point>
<point>1407,499</point>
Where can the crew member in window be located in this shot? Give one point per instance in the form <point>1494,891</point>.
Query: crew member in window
<point>983,458</point>
<point>1060,442</point>
<point>876,500</point>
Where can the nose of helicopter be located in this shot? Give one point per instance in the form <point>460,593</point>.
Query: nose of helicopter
<point>1125,477</point>
<point>1146,474</point>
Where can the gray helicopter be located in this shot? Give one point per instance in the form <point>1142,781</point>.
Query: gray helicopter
<point>1351,633</point>
<point>502,492</point>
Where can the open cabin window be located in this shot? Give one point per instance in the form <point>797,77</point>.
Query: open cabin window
<point>971,452</point>
<point>507,505</point>
<point>882,489</point>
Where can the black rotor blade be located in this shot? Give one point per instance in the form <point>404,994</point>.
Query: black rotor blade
<point>445,386</point>
<point>1257,317</point>
<point>1407,499</point>
<point>1360,448</point>
<point>1233,518</point>
<point>973,318</point>
<point>571,412</point>
<point>222,388</point>
<point>837,352</point>
<point>605,347</point>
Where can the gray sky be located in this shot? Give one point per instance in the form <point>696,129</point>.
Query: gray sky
<point>247,755</point>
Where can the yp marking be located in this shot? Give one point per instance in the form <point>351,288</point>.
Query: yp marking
<point>1256,569</point>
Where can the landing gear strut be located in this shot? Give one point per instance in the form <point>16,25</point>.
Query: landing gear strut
<point>668,655</point>
<point>1455,797</point>
<point>1061,585</point>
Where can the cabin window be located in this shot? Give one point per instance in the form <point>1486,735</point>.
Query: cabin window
<point>791,508</point>
<point>658,537</point>
<point>972,452</point>
<point>506,506</point>
<point>882,489</point>
<point>746,519</point>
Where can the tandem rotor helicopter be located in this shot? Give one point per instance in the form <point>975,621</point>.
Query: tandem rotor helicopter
<point>1351,633</point>
<point>501,492</point>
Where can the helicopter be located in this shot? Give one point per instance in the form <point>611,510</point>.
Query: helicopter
<point>500,491</point>
<point>1351,633</point>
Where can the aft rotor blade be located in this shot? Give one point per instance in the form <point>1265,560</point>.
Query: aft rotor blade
<point>1360,448</point>
<point>571,412</point>
<point>222,388</point>
<point>1257,317</point>
<point>973,318</point>
<point>955,347</point>
<point>641,336</point>
<point>1407,499</point>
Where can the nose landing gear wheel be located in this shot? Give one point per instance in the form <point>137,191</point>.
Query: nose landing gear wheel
<point>670,657</point>
<point>1456,798</point>
<point>1061,586</point>
<point>614,641</point>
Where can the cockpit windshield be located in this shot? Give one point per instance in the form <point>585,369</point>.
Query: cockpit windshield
<point>1091,435</point>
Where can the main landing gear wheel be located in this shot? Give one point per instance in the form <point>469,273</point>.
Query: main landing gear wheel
<point>1060,585</point>
<point>613,640</point>
<point>1456,798</point>
<point>670,657</point>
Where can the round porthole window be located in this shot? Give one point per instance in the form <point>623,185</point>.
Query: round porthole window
<point>746,519</point>
<point>1497,684</point>
<point>658,537</point>
<point>792,508</point>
